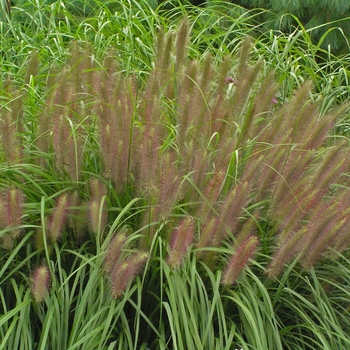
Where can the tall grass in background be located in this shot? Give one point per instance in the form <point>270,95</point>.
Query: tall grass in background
<point>158,194</point>
<point>50,26</point>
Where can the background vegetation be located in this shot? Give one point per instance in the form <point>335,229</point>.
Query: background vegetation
<point>327,21</point>
<point>167,183</point>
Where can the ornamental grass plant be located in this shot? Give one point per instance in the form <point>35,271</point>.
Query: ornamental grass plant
<point>169,197</point>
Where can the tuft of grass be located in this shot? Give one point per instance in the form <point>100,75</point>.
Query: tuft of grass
<point>122,138</point>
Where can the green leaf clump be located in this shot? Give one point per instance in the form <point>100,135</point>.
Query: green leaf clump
<point>168,197</point>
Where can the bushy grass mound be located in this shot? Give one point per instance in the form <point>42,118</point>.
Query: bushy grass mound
<point>169,183</point>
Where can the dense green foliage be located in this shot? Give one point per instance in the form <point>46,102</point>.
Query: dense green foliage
<point>327,21</point>
<point>167,183</point>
